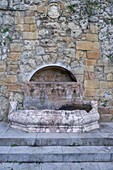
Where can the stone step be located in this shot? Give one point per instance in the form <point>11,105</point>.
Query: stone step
<point>57,166</point>
<point>59,139</point>
<point>50,154</point>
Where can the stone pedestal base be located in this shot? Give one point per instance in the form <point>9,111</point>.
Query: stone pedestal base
<point>55,120</point>
<point>53,129</point>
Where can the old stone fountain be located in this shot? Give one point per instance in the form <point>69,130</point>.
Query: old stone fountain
<point>53,103</point>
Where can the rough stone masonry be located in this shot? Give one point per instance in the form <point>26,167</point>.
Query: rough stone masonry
<point>75,34</point>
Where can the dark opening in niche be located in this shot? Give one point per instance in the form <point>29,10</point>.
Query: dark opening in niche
<point>86,107</point>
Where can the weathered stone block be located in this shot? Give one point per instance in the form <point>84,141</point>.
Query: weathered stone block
<point>3,4</point>
<point>8,20</point>
<point>29,20</point>
<point>80,78</point>
<point>14,56</point>
<point>13,69</point>
<point>29,13</point>
<point>90,92</point>
<point>94,28</point>
<point>19,20</point>
<point>91,62</point>
<point>102,62</point>
<point>40,50</point>
<point>106,117</point>
<point>103,110</point>
<point>15,88</point>
<point>108,69</point>
<point>30,35</point>
<point>18,5</point>
<point>78,70</point>
<point>110,76</point>
<point>100,93</point>
<point>33,8</point>
<point>80,54</point>
<point>93,84</point>
<point>92,37</point>
<point>93,54</point>
<point>3,76</point>
<point>90,75</point>
<point>51,49</point>
<point>90,68</point>
<point>103,85</point>
<point>3,101</point>
<point>19,14</point>
<point>86,45</point>
<point>67,39</point>
<point>2,66</point>
<point>76,33</point>
<point>4,104</point>
<point>70,52</point>
<point>2,83</point>
<point>20,27</point>
<point>41,9</point>
<point>110,85</point>
<point>11,78</point>
<point>71,45</point>
<point>1,18</point>
<point>26,27</point>
<point>36,1</point>
<point>111,111</point>
<point>32,28</point>
<point>3,91</point>
<point>15,47</point>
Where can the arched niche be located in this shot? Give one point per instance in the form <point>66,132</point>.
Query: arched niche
<point>53,73</point>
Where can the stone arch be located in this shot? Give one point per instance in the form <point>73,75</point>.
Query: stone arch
<point>50,73</point>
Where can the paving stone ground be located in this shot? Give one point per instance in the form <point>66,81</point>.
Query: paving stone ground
<point>57,166</point>
<point>104,135</point>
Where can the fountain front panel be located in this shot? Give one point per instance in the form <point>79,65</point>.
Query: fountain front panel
<point>50,95</point>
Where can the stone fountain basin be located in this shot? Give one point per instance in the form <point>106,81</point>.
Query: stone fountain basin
<point>55,120</point>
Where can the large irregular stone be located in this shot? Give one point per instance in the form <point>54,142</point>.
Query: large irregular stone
<point>8,20</point>
<point>4,105</point>
<point>30,35</point>
<point>18,5</point>
<point>40,50</point>
<point>87,45</point>
<point>3,4</point>
<point>36,1</point>
<point>1,18</point>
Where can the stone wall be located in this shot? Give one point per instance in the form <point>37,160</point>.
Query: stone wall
<point>77,35</point>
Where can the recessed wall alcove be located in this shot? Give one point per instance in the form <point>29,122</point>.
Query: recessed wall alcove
<point>53,73</point>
